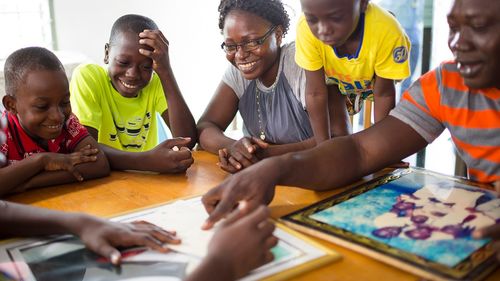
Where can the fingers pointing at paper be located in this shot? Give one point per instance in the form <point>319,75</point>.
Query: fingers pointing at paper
<point>244,241</point>
<point>243,186</point>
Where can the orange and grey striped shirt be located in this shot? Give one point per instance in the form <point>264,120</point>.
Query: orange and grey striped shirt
<point>440,99</point>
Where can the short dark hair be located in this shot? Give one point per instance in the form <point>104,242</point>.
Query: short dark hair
<point>270,10</point>
<point>24,60</point>
<point>131,23</point>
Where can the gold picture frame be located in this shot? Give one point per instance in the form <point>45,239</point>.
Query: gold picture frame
<point>397,219</point>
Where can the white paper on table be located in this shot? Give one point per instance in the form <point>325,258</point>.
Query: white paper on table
<point>186,218</point>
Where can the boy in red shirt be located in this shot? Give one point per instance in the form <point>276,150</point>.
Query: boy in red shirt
<point>45,145</point>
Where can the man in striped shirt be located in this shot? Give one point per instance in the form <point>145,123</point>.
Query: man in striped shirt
<point>462,96</point>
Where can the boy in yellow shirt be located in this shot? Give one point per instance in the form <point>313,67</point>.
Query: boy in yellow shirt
<point>355,45</point>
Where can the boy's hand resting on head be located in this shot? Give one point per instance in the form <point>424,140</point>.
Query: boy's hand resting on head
<point>492,231</point>
<point>255,185</point>
<point>241,154</point>
<point>67,162</point>
<point>102,236</point>
<point>157,41</point>
<point>243,242</point>
<point>170,156</point>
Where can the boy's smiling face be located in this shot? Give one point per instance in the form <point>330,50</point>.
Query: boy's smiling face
<point>474,40</point>
<point>41,103</point>
<point>333,21</point>
<point>128,70</point>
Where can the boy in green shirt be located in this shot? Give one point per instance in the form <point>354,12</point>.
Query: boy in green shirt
<point>119,105</point>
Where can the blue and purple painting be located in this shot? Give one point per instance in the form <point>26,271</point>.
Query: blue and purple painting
<point>421,214</point>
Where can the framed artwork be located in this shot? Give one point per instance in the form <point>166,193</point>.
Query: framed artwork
<point>414,219</point>
<point>66,258</point>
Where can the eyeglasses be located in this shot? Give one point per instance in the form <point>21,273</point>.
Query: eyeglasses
<point>247,46</point>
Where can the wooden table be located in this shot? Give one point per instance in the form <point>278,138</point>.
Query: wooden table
<point>126,191</point>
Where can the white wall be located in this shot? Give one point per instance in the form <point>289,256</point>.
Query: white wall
<point>440,30</point>
<point>191,26</point>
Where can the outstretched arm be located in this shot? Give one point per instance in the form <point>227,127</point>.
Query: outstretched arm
<point>100,236</point>
<point>351,157</point>
<point>178,116</point>
<point>332,164</point>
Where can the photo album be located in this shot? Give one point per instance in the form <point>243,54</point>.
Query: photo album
<point>66,258</point>
<point>413,219</point>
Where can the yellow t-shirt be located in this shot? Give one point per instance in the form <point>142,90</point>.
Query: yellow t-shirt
<point>383,51</point>
<point>127,124</point>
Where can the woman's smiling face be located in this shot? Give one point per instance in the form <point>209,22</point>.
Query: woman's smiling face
<point>241,27</point>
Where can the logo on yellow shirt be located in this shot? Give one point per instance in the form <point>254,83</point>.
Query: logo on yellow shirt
<point>400,54</point>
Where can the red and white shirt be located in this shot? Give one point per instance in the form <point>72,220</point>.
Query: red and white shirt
<point>20,145</point>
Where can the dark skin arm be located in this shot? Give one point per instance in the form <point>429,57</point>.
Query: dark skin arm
<point>161,159</point>
<point>45,169</point>
<point>321,168</point>
<point>317,104</point>
<point>100,236</point>
<point>217,116</point>
<point>369,151</point>
<point>385,97</point>
<point>339,120</point>
<point>178,117</point>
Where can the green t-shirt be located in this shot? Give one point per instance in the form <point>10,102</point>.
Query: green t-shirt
<point>127,124</point>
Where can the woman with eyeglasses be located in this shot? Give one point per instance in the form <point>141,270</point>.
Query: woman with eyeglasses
<point>265,85</point>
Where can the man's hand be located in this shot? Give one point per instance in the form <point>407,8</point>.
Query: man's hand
<point>243,242</point>
<point>254,185</point>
